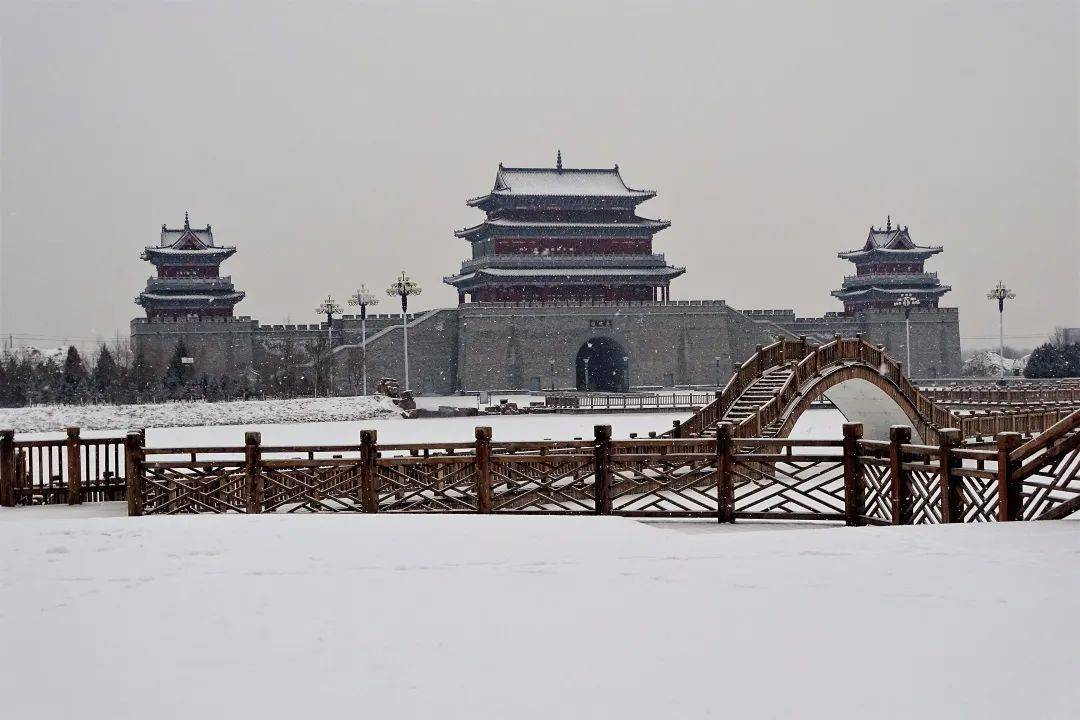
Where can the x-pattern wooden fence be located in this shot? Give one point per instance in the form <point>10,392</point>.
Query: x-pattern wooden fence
<point>852,479</point>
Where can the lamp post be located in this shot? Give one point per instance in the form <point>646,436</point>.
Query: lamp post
<point>362,299</point>
<point>403,287</point>
<point>586,362</point>
<point>328,308</point>
<point>1001,294</point>
<point>906,302</point>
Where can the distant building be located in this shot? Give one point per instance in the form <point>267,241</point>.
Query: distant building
<point>888,266</point>
<point>188,282</point>
<point>563,234</point>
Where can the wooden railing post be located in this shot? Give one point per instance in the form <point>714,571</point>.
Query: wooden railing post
<point>7,468</point>
<point>369,471</point>
<point>253,475</point>
<point>133,472</point>
<point>1010,489</point>
<point>602,468</point>
<point>74,467</point>
<point>483,469</point>
<point>854,490</point>
<point>952,495</point>
<point>725,473</point>
<point>899,478</point>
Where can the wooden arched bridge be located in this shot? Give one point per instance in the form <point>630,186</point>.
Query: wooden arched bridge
<point>770,391</point>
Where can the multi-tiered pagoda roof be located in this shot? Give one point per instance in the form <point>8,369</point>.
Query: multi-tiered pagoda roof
<point>562,234</point>
<point>888,266</point>
<point>188,282</point>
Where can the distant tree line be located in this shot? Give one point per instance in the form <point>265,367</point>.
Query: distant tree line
<point>118,376</point>
<point>1054,360</point>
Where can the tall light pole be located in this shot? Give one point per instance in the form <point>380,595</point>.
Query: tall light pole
<point>362,298</point>
<point>1001,294</point>
<point>403,287</point>
<point>906,302</point>
<point>328,308</point>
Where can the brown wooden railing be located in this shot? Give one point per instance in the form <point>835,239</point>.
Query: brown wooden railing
<point>809,362</point>
<point>1033,395</point>
<point>71,470</point>
<point>724,476</point>
<point>623,401</point>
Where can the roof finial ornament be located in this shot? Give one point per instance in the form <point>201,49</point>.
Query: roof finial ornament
<point>187,225</point>
<point>558,160</point>
<point>888,222</point>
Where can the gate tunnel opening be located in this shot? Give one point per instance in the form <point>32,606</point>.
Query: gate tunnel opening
<point>602,366</point>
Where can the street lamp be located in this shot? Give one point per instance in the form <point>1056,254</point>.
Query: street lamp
<point>1001,294</point>
<point>403,287</point>
<point>329,308</point>
<point>906,302</point>
<point>362,298</point>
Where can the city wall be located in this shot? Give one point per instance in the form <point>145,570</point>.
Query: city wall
<point>505,346</point>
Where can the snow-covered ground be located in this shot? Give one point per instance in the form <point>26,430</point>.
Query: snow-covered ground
<point>530,617</point>
<point>47,418</point>
<point>818,423</point>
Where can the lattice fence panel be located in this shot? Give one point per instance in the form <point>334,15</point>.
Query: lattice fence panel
<point>314,487</point>
<point>926,495</point>
<point>1054,483</point>
<point>171,489</point>
<point>443,484</point>
<point>797,486</point>
<point>561,484</point>
<point>876,489</point>
<point>679,483</point>
<point>979,496</point>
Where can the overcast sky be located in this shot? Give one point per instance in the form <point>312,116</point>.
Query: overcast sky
<point>336,144</point>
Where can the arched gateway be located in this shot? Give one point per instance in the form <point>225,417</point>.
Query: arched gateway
<point>602,366</point>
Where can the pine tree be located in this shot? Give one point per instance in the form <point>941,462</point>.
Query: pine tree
<point>177,374</point>
<point>75,380</point>
<point>1047,361</point>
<point>140,379</point>
<point>105,376</point>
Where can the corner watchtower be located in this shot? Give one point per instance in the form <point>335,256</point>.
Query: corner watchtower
<point>188,282</point>
<point>888,266</point>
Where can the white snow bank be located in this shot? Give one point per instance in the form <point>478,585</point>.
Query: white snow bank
<point>532,617</point>
<point>49,418</point>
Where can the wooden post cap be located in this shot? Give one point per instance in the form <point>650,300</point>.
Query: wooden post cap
<point>252,437</point>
